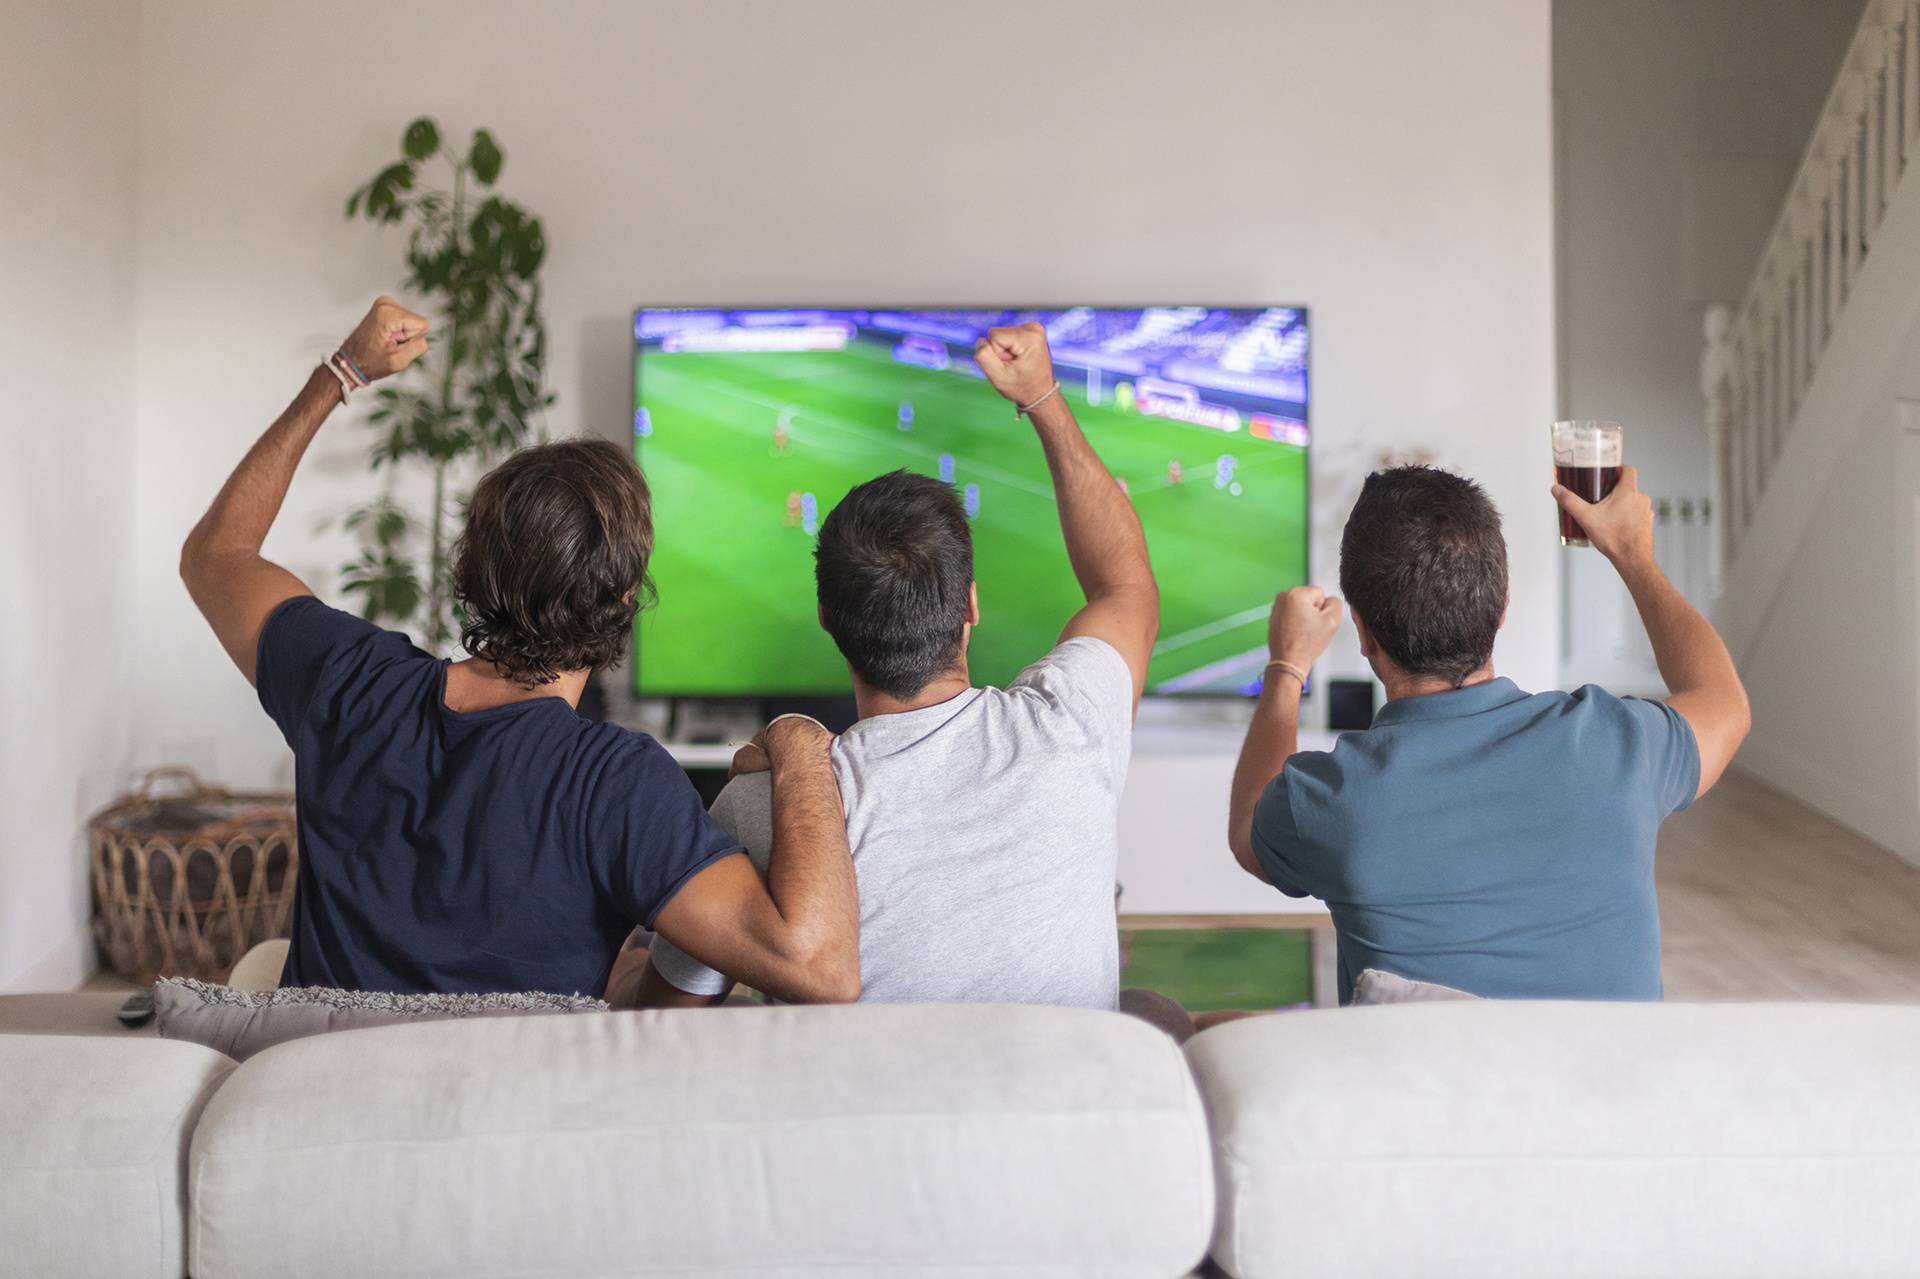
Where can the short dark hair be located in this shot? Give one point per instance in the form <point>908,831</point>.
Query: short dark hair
<point>893,567</point>
<point>552,566</point>
<point>1423,562</point>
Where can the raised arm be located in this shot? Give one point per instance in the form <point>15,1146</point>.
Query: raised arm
<point>796,934</point>
<point>235,588</point>
<point>1301,626</point>
<point>1105,545</point>
<point>1702,682</point>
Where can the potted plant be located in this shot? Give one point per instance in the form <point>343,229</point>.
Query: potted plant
<point>473,260</point>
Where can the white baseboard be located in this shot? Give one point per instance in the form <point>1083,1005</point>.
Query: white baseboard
<point>1888,823</point>
<point>66,967</point>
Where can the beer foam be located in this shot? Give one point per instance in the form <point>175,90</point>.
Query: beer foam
<point>1583,444</point>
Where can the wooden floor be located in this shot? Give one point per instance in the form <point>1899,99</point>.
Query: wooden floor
<point>1763,898</point>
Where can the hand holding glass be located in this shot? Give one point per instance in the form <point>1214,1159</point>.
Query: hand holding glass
<point>1586,461</point>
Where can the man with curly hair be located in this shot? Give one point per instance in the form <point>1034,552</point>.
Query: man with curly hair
<point>462,829</point>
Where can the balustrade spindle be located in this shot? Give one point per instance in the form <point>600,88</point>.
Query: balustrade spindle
<point>1910,81</point>
<point>1777,376</point>
<point>1887,113</point>
<point>1830,301</point>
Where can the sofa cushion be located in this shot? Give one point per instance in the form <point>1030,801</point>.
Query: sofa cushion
<point>93,1152</point>
<point>240,1023</point>
<point>1508,1138</point>
<point>763,1142</point>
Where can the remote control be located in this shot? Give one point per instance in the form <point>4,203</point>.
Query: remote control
<point>138,1010</point>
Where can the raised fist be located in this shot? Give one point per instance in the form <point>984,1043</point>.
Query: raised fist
<point>389,339</point>
<point>1016,361</point>
<point>1302,624</point>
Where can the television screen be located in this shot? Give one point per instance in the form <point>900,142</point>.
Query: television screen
<point>751,424</point>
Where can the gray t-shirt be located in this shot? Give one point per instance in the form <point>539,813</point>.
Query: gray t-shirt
<point>984,839</point>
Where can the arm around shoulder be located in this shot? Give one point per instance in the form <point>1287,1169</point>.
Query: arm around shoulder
<point>796,933</point>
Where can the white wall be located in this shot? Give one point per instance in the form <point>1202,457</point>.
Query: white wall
<point>1820,607</point>
<point>1832,675</point>
<point>66,480</point>
<point>1678,124</point>
<point>1387,164</point>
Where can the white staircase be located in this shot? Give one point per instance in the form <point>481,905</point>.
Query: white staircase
<point>1816,506</point>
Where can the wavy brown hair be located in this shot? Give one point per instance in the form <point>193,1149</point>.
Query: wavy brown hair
<point>552,566</point>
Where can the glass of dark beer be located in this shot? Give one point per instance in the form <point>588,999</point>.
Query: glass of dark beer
<point>1586,460</point>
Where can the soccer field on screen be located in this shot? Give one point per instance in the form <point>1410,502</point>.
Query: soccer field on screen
<point>746,452</point>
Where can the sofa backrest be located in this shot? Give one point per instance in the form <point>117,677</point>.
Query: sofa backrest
<point>782,1141</point>
<point>93,1153</point>
<point>1494,1138</point>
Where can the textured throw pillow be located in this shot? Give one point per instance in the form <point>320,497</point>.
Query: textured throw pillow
<point>1377,986</point>
<point>240,1023</point>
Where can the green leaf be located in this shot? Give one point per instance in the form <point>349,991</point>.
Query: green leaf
<point>383,193</point>
<point>485,157</point>
<point>422,139</point>
<point>530,248</point>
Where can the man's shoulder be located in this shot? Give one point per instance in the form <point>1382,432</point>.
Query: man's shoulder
<point>312,620</point>
<point>744,809</point>
<point>617,746</point>
<point>748,793</point>
<point>1084,657</point>
<point>1084,677</point>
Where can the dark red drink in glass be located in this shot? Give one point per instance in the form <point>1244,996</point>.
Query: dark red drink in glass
<point>1586,461</point>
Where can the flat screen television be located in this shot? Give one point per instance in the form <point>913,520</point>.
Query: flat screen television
<point>751,424</point>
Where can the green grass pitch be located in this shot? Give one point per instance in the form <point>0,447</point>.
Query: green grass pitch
<point>736,612</point>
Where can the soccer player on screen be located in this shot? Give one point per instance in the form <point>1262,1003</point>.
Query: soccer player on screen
<point>982,820</point>
<point>1173,471</point>
<point>906,415</point>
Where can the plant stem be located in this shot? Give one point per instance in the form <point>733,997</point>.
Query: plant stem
<point>438,630</point>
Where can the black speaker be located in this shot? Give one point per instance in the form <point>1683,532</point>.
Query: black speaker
<point>1349,704</point>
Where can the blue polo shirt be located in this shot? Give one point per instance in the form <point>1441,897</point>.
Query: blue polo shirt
<point>1489,839</point>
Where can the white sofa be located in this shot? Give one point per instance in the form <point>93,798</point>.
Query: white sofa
<point>1458,1139</point>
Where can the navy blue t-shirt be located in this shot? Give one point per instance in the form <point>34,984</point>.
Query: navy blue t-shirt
<point>1489,839</point>
<point>506,849</point>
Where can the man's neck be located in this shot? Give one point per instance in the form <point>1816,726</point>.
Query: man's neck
<point>474,685</point>
<point>1399,684</point>
<point>869,702</point>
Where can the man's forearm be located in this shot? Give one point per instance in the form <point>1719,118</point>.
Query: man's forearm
<point>1105,544</point>
<point>1272,739</point>
<point>1690,653</point>
<point>1703,684</point>
<point>246,506</point>
<point>810,874</point>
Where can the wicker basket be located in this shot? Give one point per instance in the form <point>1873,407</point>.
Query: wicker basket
<point>186,881</point>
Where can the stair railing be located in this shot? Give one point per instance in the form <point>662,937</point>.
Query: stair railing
<point>1761,355</point>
